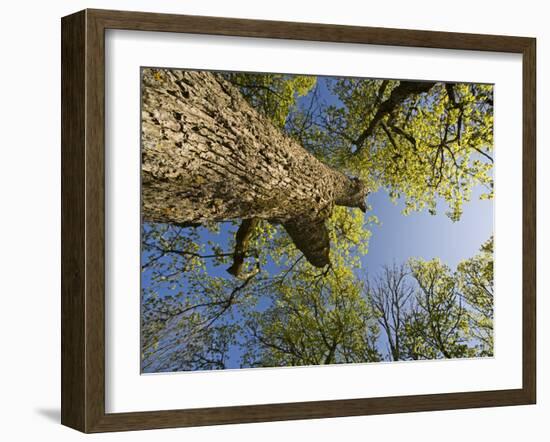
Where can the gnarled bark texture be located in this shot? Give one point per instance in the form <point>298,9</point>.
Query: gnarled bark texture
<point>207,155</point>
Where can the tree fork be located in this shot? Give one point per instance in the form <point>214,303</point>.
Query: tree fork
<point>208,156</point>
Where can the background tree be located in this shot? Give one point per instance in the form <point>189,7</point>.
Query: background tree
<point>187,314</point>
<point>437,326</point>
<point>313,316</point>
<point>391,295</point>
<point>426,311</point>
<point>476,286</point>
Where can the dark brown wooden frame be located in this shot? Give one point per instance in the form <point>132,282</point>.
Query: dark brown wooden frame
<point>83,216</point>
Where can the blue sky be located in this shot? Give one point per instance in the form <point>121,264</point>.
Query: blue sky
<point>422,235</point>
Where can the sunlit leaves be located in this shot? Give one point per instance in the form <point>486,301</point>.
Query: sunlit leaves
<point>476,285</point>
<point>433,145</point>
<point>438,327</point>
<point>427,311</point>
<point>187,313</point>
<point>272,94</point>
<point>314,317</point>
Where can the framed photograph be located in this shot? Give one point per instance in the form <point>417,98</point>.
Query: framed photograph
<point>266,221</point>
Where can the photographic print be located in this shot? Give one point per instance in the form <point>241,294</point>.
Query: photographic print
<point>300,220</point>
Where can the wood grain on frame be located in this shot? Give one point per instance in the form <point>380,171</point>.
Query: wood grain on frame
<point>83,219</point>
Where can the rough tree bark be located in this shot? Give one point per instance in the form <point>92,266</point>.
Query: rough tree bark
<point>207,155</point>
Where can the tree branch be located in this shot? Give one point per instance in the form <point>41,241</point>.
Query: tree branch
<point>242,239</point>
<point>397,96</point>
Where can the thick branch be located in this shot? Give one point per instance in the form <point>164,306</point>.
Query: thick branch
<point>242,239</point>
<point>208,156</point>
<point>397,96</point>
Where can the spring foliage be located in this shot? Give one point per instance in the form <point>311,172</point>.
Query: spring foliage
<point>426,147</point>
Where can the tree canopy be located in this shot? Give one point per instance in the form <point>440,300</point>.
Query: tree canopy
<point>422,143</point>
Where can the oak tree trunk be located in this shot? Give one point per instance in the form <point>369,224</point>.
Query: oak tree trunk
<point>207,155</point>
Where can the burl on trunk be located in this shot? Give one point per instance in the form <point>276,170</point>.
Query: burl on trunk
<point>207,155</point>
